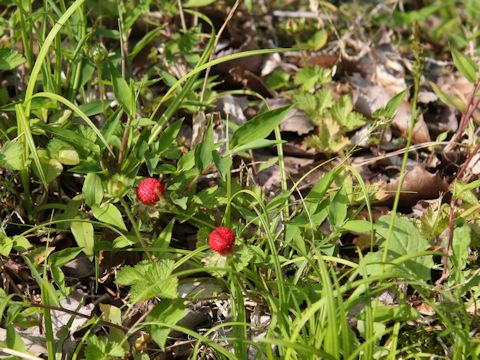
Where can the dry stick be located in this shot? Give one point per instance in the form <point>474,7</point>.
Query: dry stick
<point>472,106</point>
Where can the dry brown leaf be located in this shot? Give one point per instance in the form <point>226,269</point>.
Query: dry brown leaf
<point>402,122</point>
<point>419,184</point>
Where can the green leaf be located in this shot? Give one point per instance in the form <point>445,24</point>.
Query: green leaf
<point>168,312</point>
<point>51,168</point>
<point>223,164</point>
<point>124,240</point>
<point>203,151</point>
<point>83,233</point>
<point>21,243</point>
<point>255,144</point>
<point>6,245</point>
<point>168,136</point>
<point>465,65</point>
<point>463,191</point>
<point>309,77</point>
<point>186,162</point>
<point>62,257</point>
<point>123,93</point>
<point>77,111</point>
<point>14,340</point>
<point>337,210</point>
<point>343,113</point>
<point>316,42</point>
<point>197,3</point>
<point>109,214</point>
<point>149,280</point>
<point>92,189</point>
<point>259,127</point>
<point>460,245</point>
<point>12,156</point>
<point>163,240</point>
<point>447,99</point>
<point>358,226</point>
<point>392,106</point>
<point>102,348</point>
<point>405,240</point>
<point>10,59</point>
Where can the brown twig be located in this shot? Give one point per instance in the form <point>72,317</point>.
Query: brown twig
<point>473,104</point>
<point>451,218</point>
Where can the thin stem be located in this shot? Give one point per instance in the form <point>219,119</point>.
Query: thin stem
<point>451,218</point>
<point>124,141</point>
<point>227,217</point>
<point>135,227</point>
<point>407,150</point>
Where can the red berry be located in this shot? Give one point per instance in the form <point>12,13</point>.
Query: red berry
<point>150,190</point>
<point>221,239</point>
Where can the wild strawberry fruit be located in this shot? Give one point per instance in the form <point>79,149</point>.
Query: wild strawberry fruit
<point>221,239</point>
<point>150,190</point>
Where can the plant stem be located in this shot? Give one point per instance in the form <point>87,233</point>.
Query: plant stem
<point>135,227</point>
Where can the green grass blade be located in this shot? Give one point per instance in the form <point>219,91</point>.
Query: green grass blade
<point>43,53</point>
<point>24,127</point>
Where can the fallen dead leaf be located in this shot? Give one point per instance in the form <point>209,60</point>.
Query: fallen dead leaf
<point>418,184</point>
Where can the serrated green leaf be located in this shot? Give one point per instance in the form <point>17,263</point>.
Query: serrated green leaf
<point>467,67</point>
<point>12,156</point>
<point>308,77</point>
<point>109,214</point>
<point>259,127</point>
<point>129,275</point>
<point>157,282</point>
<point>10,59</point>
<point>342,112</point>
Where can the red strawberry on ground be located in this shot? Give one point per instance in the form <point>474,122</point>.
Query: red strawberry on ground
<point>221,239</point>
<point>150,190</point>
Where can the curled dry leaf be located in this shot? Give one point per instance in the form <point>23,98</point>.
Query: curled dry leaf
<point>402,122</point>
<point>419,184</point>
